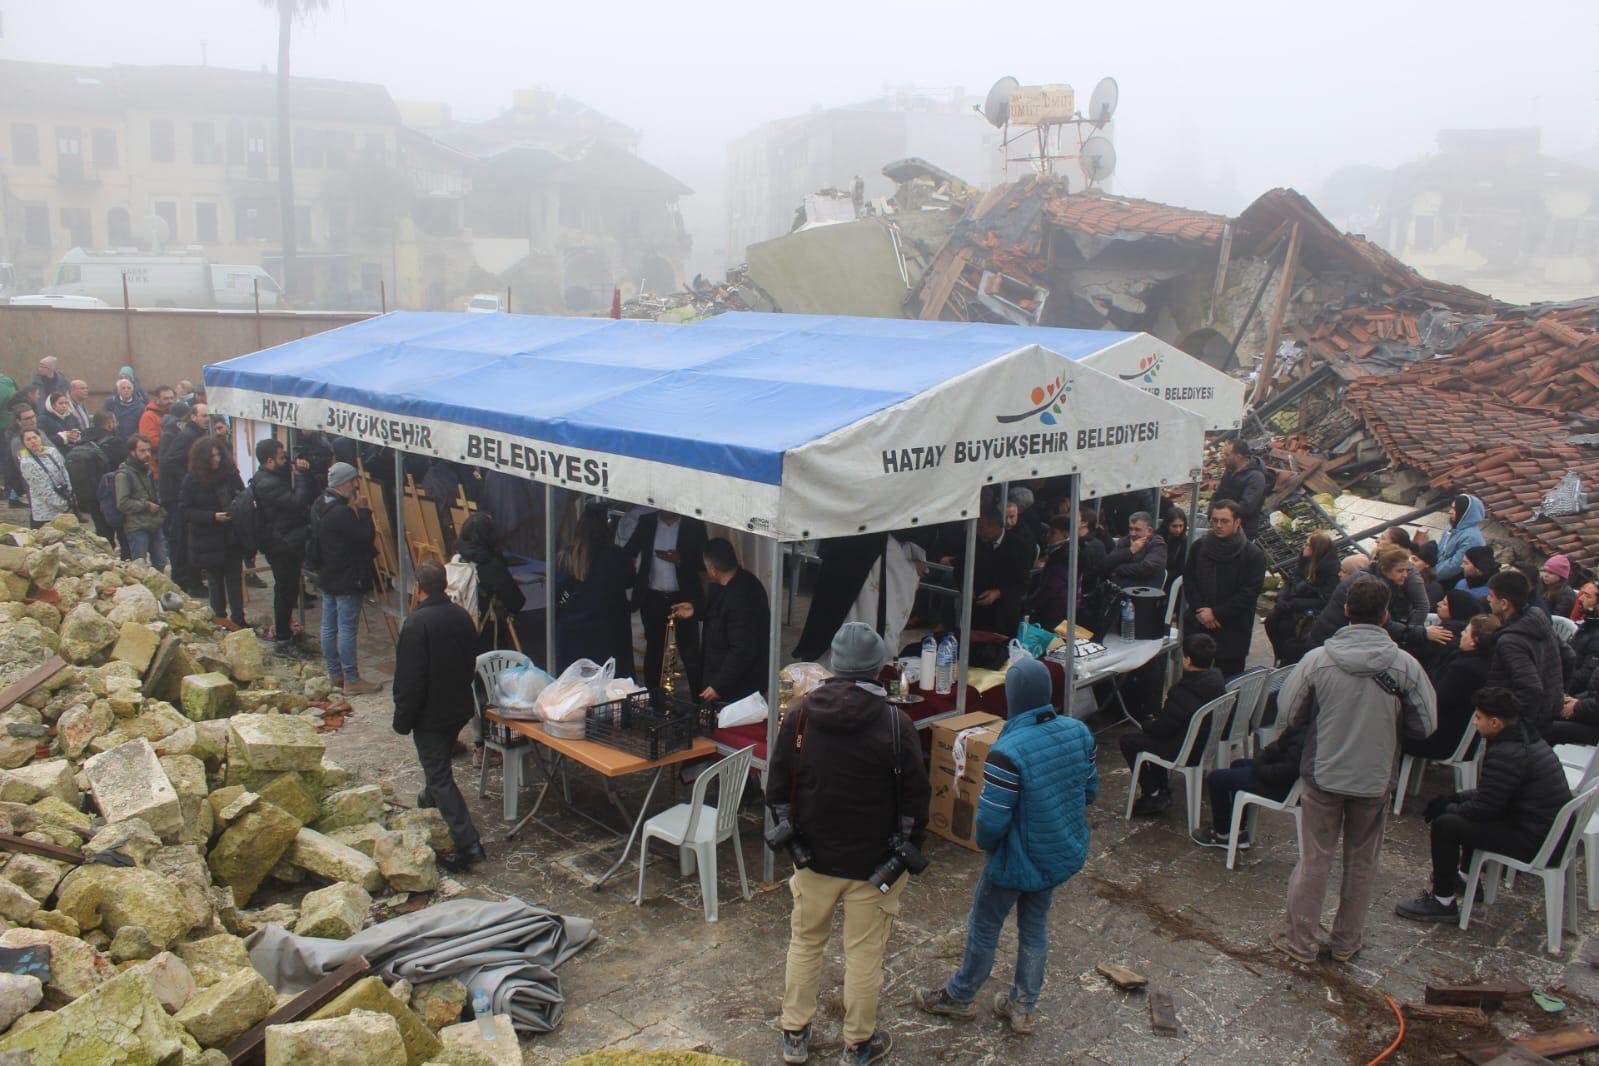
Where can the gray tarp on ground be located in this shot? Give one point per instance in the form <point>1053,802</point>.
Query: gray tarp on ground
<point>507,949</point>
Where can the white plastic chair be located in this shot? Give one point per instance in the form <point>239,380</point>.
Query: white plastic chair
<point>1251,688</point>
<point>1582,769</point>
<point>1552,864</point>
<point>490,665</point>
<point>1288,804</point>
<point>1214,714</point>
<point>696,830</point>
<point>1465,768</point>
<point>1174,596</point>
<point>1263,733</point>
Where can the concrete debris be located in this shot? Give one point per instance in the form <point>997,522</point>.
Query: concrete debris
<point>406,861</point>
<point>75,968</point>
<point>360,1038</point>
<point>503,1050</point>
<point>110,897</point>
<point>215,1015</point>
<point>439,1002</point>
<point>19,993</point>
<point>207,697</point>
<point>328,859</point>
<point>170,978</point>
<point>351,806</point>
<point>335,912</point>
<point>212,958</point>
<point>370,994</point>
<point>128,782</point>
<point>120,1023</point>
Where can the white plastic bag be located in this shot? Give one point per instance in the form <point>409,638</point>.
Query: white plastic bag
<point>805,676</point>
<point>579,687</point>
<point>518,690</point>
<point>747,711</point>
<point>1017,652</point>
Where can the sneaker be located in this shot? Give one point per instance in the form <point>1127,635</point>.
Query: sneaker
<point>1426,908</point>
<point>358,687</point>
<point>871,1049</point>
<point>1021,1021</point>
<point>1218,839</point>
<point>456,861</point>
<point>1153,803</point>
<point>939,1001</point>
<point>1279,940</point>
<point>227,623</point>
<point>1345,956</point>
<point>797,1045</point>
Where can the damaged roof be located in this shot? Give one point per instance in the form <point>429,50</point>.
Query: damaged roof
<point>1111,216</point>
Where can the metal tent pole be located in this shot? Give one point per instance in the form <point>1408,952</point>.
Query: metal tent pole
<point>1069,697</point>
<point>402,548</point>
<point>299,591</point>
<point>549,579</point>
<point>774,642</point>
<point>968,579</point>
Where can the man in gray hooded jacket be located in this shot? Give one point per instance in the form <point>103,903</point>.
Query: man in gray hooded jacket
<point>1354,695</point>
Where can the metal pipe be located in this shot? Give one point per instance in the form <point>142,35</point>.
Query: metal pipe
<point>1437,505</point>
<point>774,643</point>
<point>402,547</point>
<point>968,580</point>
<point>1071,604</point>
<point>549,579</point>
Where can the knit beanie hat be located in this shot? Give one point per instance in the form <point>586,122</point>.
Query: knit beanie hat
<point>1027,686</point>
<point>1482,557</point>
<point>858,652</point>
<point>1560,566</point>
<point>339,473</point>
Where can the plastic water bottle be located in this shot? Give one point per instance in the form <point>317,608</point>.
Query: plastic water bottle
<point>1128,628</point>
<point>929,663</point>
<point>946,665</point>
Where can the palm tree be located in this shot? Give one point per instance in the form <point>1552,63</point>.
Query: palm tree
<point>288,12</point>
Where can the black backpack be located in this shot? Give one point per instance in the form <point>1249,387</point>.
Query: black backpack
<point>313,540</point>
<point>245,519</point>
<point>105,495</point>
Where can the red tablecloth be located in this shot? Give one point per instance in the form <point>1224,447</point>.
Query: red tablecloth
<point>990,702</point>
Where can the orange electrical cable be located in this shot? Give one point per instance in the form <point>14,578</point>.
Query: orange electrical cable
<point>1391,1048</point>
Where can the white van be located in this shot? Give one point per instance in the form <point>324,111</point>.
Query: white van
<point>161,280</point>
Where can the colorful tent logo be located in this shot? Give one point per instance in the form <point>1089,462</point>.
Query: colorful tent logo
<point>1147,368</point>
<point>1047,397</point>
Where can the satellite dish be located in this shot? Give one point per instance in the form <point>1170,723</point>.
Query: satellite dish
<point>996,107</point>
<point>1098,159</point>
<point>1103,103</point>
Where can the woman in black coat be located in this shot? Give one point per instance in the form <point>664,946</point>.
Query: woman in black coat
<point>1457,687</point>
<point>1174,530</point>
<point>1315,579</point>
<point>593,579</point>
<point>207,491</point>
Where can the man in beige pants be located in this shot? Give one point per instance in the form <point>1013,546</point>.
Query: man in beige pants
<point>846,777</point>
<point>1353,694</point>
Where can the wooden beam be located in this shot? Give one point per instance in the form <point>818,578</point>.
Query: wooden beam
<point>1162,1014</point>
<point>251,1047</point>
<point>1458,1015</point>
<point>1485,994</point>
<point>1566,1040</point>
<point>1121,976</point>
<point>18,690</point>
<point>1274,330</point>
<point>1221,271</point>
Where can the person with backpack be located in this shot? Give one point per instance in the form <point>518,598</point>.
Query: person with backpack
<point>179,431</point>
<point>282,496</point>
<point>91,460</point>
<point>139,505</point>
<point>342,552</point>
<point>206,501</point>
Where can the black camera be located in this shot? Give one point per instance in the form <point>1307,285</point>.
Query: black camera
<point>902,856</point>
<point>782,835</point>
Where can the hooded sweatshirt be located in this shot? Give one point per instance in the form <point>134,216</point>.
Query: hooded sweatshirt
<point>1465,533</point>
<point>1246,487</point>
<point>1352,723</point>
<point>835,763</point>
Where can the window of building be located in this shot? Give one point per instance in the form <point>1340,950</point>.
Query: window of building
<point>235,137</point>
<point>118,227</point>
<point>337,147</point>
<point>205,223</point>
<point>163,141</point>
<point>69,153</point>
<point>205,146</point>
<point>80,230</point>
<point>255,220</point>
<point>307,148</point>
<point>24,144</point>
<point>36,225</point>
<point>167,211</point>
<point>255,149</point>
<point>338,226</point>
<point>104,142</point>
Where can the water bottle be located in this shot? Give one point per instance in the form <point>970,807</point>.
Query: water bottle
<point>929,663</point>
<point>946,665</point>
<point>1128,628</point>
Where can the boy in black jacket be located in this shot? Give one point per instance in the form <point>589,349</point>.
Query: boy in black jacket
<point>1271,773</point>
<point>1521,789</point>
<point>1163,734</point>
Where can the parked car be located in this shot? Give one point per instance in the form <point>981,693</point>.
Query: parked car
<point>57,299</point>
<point>484,303</point>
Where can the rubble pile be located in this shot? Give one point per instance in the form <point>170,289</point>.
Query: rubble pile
<point>163,794</point>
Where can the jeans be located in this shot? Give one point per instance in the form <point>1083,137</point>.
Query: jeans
<point>340,617</point>
<point>1224,786</point>
<point>989,907</point>
<point>433,753</point>
<point>1454,838</point>
<point>148,544</point>
<point>285,590</point>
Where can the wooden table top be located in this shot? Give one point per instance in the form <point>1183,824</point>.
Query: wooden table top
<point>602,758</point>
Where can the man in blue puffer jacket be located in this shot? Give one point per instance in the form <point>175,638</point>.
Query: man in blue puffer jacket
<point>1032,821</point>
<point>1465,531</point>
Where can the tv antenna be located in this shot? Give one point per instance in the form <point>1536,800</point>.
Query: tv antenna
<point>1045,118</point>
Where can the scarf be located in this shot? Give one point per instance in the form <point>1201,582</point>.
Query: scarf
<point>1224,549</point>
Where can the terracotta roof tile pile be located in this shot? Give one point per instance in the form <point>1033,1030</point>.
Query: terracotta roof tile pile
<point>1110,216</point>
<point>1539,356</point>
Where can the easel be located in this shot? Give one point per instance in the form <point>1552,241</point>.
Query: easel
<point>461,509</point>
<point>424,536</point>
<point>386,564</point>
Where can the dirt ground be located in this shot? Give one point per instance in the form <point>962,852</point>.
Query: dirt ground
<point>660,976</point>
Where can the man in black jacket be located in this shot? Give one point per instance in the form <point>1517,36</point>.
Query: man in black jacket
<point>1271,773</point>
<point>839,779</point>
<point>1140,557</point>
<point>1526,657</point>
<point>1000,571</point>
<point>1221,585</point>
<point>737,619</point>
<point>341,522</point>
<point>668,552</point>
<point>100,451</point>
<point>1521,788</point>
<point>434,664</point>
<point>179,431</point>
<point>1245,483</point>
<point>283,497</point>
<point>1163,734</point>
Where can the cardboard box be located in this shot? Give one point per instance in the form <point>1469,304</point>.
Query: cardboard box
<point>953,811</point>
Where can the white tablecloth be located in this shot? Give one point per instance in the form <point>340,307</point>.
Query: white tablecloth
<point>1120,657</point>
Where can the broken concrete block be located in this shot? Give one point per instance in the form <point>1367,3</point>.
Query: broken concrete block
<point>207,697</point>
<point>351,806</point>
<point>54,922</point>
<point>19,993</point>
<point>128,782</point>
<point>54,811</point>
<point>274,742</point>
<point>212,958</point>
<point>155,721</point>
<point>120,1023</point>
<point>231,802</point>
<point>246,658</point>
<point>215,1015</point>
<point>360,1038</point>
<point>75,967</point>
<point>327,858</point>
<point>281,914</point>
<point>370,994</point>
<point>16,905</point>
<point>132,943</point>
<point>36,875</point>
<point>50,777</point>
<point>503,1050</point>
<point>109,897</point>
<point>170,977</point>
<point>430,821</point>
<point>136,645</point>
<point>250,847</point>
<point>134,603</point>
<point>362,838</point>
<point>288,790</point>
<point>183,865</point>
<point>15,751</point>
<point>131,838</point>
<point>81,724</point>
<point>439,1003</point>
<point>85,634</point>
<point>336,912</point>
<point>406,862</point>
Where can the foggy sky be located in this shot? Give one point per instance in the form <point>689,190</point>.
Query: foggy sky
<point>1219,100</point>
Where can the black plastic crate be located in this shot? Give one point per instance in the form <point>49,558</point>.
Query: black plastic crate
<point>679,706</point>
<point>632,725</point>
<point>500,733</point>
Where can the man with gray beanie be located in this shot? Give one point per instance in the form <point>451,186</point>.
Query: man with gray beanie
<point>1032,821</point>
<point>847,777</point>
<point>341,526</point>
